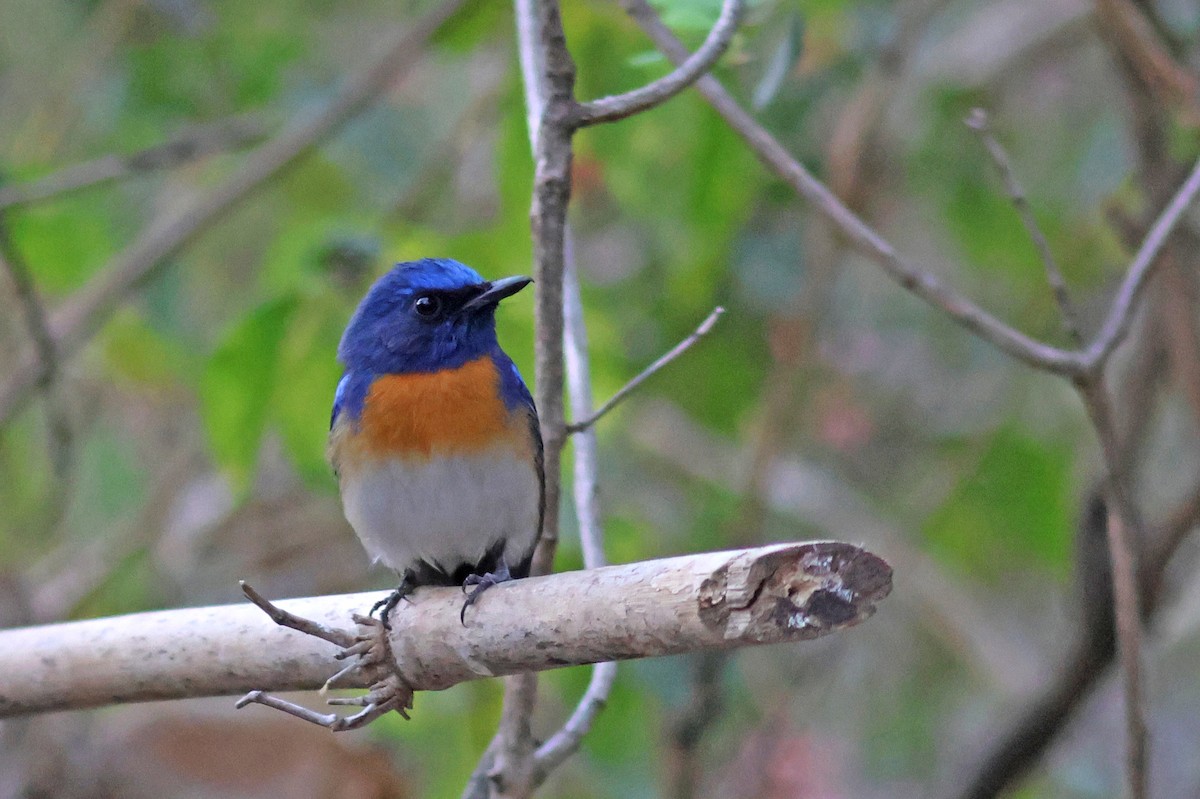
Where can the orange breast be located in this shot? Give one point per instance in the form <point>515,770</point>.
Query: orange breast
<point>454,410</point>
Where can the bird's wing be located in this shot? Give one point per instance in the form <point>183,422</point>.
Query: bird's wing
<point>339,399</point>
<point>517,393</point>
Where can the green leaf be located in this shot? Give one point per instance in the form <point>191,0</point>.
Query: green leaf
<point>238,387</point>
<point>308,376</point>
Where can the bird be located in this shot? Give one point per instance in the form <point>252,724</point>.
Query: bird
<point>434,436</point>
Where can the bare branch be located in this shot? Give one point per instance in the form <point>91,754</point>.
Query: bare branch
<point>57,424</point>
<point>860,235</point>
<point>75,323</point>
<point>784,592</point>
<point>1123,528</point>
<point>1120,316</point>
<point>1173,84</point>
<point>548,218</point>
<point>1127,605</point>
<point>567,740</point>
<point>548,75</point>
<point>190,145</point>
<point>633,385</point>
<point>610,109</point>
<point>978,122</point>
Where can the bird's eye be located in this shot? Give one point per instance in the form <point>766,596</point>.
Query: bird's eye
<point>427,305</point>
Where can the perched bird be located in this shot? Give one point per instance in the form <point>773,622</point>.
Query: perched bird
<point>434,435</point>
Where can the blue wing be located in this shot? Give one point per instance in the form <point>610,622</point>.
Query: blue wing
<point>339,399</point>
<point>516,396</point>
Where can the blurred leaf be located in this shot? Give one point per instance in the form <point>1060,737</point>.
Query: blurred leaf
<point>308,376</point>
<point>64,241</point>
<point>238,386</point>
<point>140,354</point>
<point>786,53</point>
<point>688,15</point>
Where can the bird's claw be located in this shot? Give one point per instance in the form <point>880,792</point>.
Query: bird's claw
<point>373,657</point>
<point>478,584</point>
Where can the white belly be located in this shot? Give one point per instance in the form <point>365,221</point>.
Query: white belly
<point>446,510</point>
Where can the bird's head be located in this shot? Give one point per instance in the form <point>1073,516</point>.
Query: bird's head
<point>424,316</point>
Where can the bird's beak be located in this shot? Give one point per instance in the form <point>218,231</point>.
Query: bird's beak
<point>497,290</point>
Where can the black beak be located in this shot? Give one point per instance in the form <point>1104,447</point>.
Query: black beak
<point>497,290</point>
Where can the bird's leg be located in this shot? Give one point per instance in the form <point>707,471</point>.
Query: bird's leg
<point>478,583</point>
<point>389,602</point>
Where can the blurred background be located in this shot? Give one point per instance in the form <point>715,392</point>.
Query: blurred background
<point>182,447</point>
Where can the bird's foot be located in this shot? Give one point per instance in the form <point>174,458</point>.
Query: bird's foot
<point>389,603</point>
<point>373,658</point>
<point>478,583</point>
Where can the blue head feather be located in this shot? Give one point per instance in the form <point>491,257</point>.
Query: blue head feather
<point>387,335</point>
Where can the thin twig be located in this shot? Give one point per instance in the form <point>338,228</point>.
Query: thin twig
<point>861,236</point>
<point>649,371</point>
<point>1116,324</point>
<point>285,619</point>
<point>978,122</point>
<point>610,109</point>
<point>81,316</point>
<point>187,146</point>
<point>57,423</point>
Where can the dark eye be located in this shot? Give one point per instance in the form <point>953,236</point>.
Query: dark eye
<point>427,305</point>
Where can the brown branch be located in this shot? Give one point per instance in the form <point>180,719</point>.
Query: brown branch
<point>507,767</point>
<point>861,236</point>
<point>190,145</point>
<point>1123,529</point>
<point>978,122</point>
<point>633,385</point>
<point>1172,84</point>
<point>75,323</point>
<point>610,109</point>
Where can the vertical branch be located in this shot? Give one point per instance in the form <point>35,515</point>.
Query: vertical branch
<point>566,741</point>
<point>548,216</point>
<point>511,765</point>
<point>548,73</point>
<point>1124,528</point>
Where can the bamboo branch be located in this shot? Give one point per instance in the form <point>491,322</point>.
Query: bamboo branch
<point>81,316</point>
<point>722,600</point>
